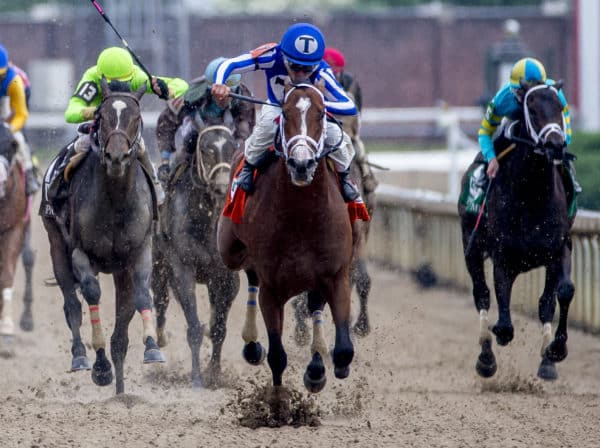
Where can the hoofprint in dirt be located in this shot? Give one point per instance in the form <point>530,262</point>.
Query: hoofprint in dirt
<point>412,383</point>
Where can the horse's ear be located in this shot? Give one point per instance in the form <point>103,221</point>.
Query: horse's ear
<point>104,86</point>
<point>139,93</point>
<point>559,85</point>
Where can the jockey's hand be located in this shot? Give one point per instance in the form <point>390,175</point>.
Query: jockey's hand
<point>220,93</point>
<point>160,88</point>
<point>493,167</point>
<point>87,113</point>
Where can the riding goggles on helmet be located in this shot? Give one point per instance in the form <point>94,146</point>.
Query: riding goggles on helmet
<point>294,67</point>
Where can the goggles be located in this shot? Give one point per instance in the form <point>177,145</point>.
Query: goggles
<point>294,67</point>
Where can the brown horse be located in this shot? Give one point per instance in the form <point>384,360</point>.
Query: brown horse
<point>295,236</point>
<point>14,221</point>
<point>527,226</point>
<point>106,226</point>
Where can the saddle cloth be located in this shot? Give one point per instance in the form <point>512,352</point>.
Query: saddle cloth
<point>236,202</point>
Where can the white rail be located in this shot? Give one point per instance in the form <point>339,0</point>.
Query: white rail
<point>410,229</point>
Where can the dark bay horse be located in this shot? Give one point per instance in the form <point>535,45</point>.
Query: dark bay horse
<point>14,227</point>
<point>527,226</point>
<point>186,251</point>
<point>295,236</point>
<point>106,226</point>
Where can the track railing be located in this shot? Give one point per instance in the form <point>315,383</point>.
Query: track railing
<point>411,229</point>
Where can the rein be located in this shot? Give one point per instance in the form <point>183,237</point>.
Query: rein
<point>200,166</point>
<point>544,133</point>
<point>131,143</point>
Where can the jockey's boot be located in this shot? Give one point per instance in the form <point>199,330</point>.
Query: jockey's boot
<point>149,168</point>
<point>349,191</point>
<point>245,179</point>
<point>31,182</point>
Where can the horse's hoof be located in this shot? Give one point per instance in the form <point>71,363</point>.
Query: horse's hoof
<point>153,355</point>
<point>80,363</point>
<point>486,362</point>
<point>547,370</point>
<point>341,372</point>
<point>26,322</point>
<point>314,385</point>
<point>102,377</point>
<point>504,334</point>
<point>102,370</point>
<point>197,383</point>
<point>556,351</point>
<point>361,328</point>
<point>254,353</point>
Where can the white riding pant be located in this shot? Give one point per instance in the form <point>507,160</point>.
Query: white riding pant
<point>23,151</point>
<point>263,135</point>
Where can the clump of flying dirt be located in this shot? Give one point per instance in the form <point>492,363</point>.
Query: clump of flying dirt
<point>251,406</point>
<point>351,402</point>
<point>167,378</point>
<point>514,383</point>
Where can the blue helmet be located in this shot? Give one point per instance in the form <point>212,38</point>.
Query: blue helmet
<point>3,59</point>
<point>303,44</point>
<point>209,73</point>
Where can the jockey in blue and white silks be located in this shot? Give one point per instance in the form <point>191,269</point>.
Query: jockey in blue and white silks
<point>506,105</point>
<point>297,58</point>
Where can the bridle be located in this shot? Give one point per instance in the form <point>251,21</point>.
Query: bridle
<point>204,174</point>
<point>540,138</point>
<point>303,138</point>
<point>132,143</point>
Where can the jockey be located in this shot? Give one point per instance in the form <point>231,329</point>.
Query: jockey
<point>25,80</point>
<point>506,105</point>
<point>115,64</point>
<point>197,108</point>
<point>297,58</point>
<point>11,86</point>
<point>337,62</point>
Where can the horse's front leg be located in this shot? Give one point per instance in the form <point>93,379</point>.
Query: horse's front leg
<point>72,306</point>
<point>12,240</point>
<point>546,309</point>
<point>556,350</point>
<point>338,297</point>
<point>222,290</point>
<point>272,310</point>
<point>314,376</point>
<point>90,289</point>
<point>362,280</point>
<point>184,286</point>
<point>125,310</point>
<point>160,281</point>
<point>504,278</point>
<point>28,259</point>
<point>253,351</point>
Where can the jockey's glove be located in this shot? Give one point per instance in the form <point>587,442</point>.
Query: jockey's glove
<point>163,92</point>
<point>87,113</point>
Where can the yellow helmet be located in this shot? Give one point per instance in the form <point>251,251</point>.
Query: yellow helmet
<point>527,69</point>
<point>115,63</point>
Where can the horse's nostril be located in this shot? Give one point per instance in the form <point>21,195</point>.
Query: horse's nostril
<point>311,163</point>
<point>291,163</point>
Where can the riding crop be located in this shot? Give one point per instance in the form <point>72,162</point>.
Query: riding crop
<point>480,214</point>
<point>123,41</point>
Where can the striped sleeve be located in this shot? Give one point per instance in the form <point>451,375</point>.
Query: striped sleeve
<point>18,105</point>
<point>488,126</point>
<point>336,99</point>
<point>567,116</point>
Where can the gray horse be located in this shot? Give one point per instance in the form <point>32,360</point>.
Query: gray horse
<point>186,253</point>
<point>106,226</point>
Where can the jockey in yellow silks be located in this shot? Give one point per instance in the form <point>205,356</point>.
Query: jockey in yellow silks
<point>11,86</point>
<point>116,64</point>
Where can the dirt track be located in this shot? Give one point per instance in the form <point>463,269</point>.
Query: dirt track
<point>413,383</point>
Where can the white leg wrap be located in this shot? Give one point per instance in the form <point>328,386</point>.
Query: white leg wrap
<point>484,331</point>
<point>149,327</point>
<point>546,336</point>
<point>250,331</point>
<point>7,326</point>
<point>318,343</point>
<point>98,340</point>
